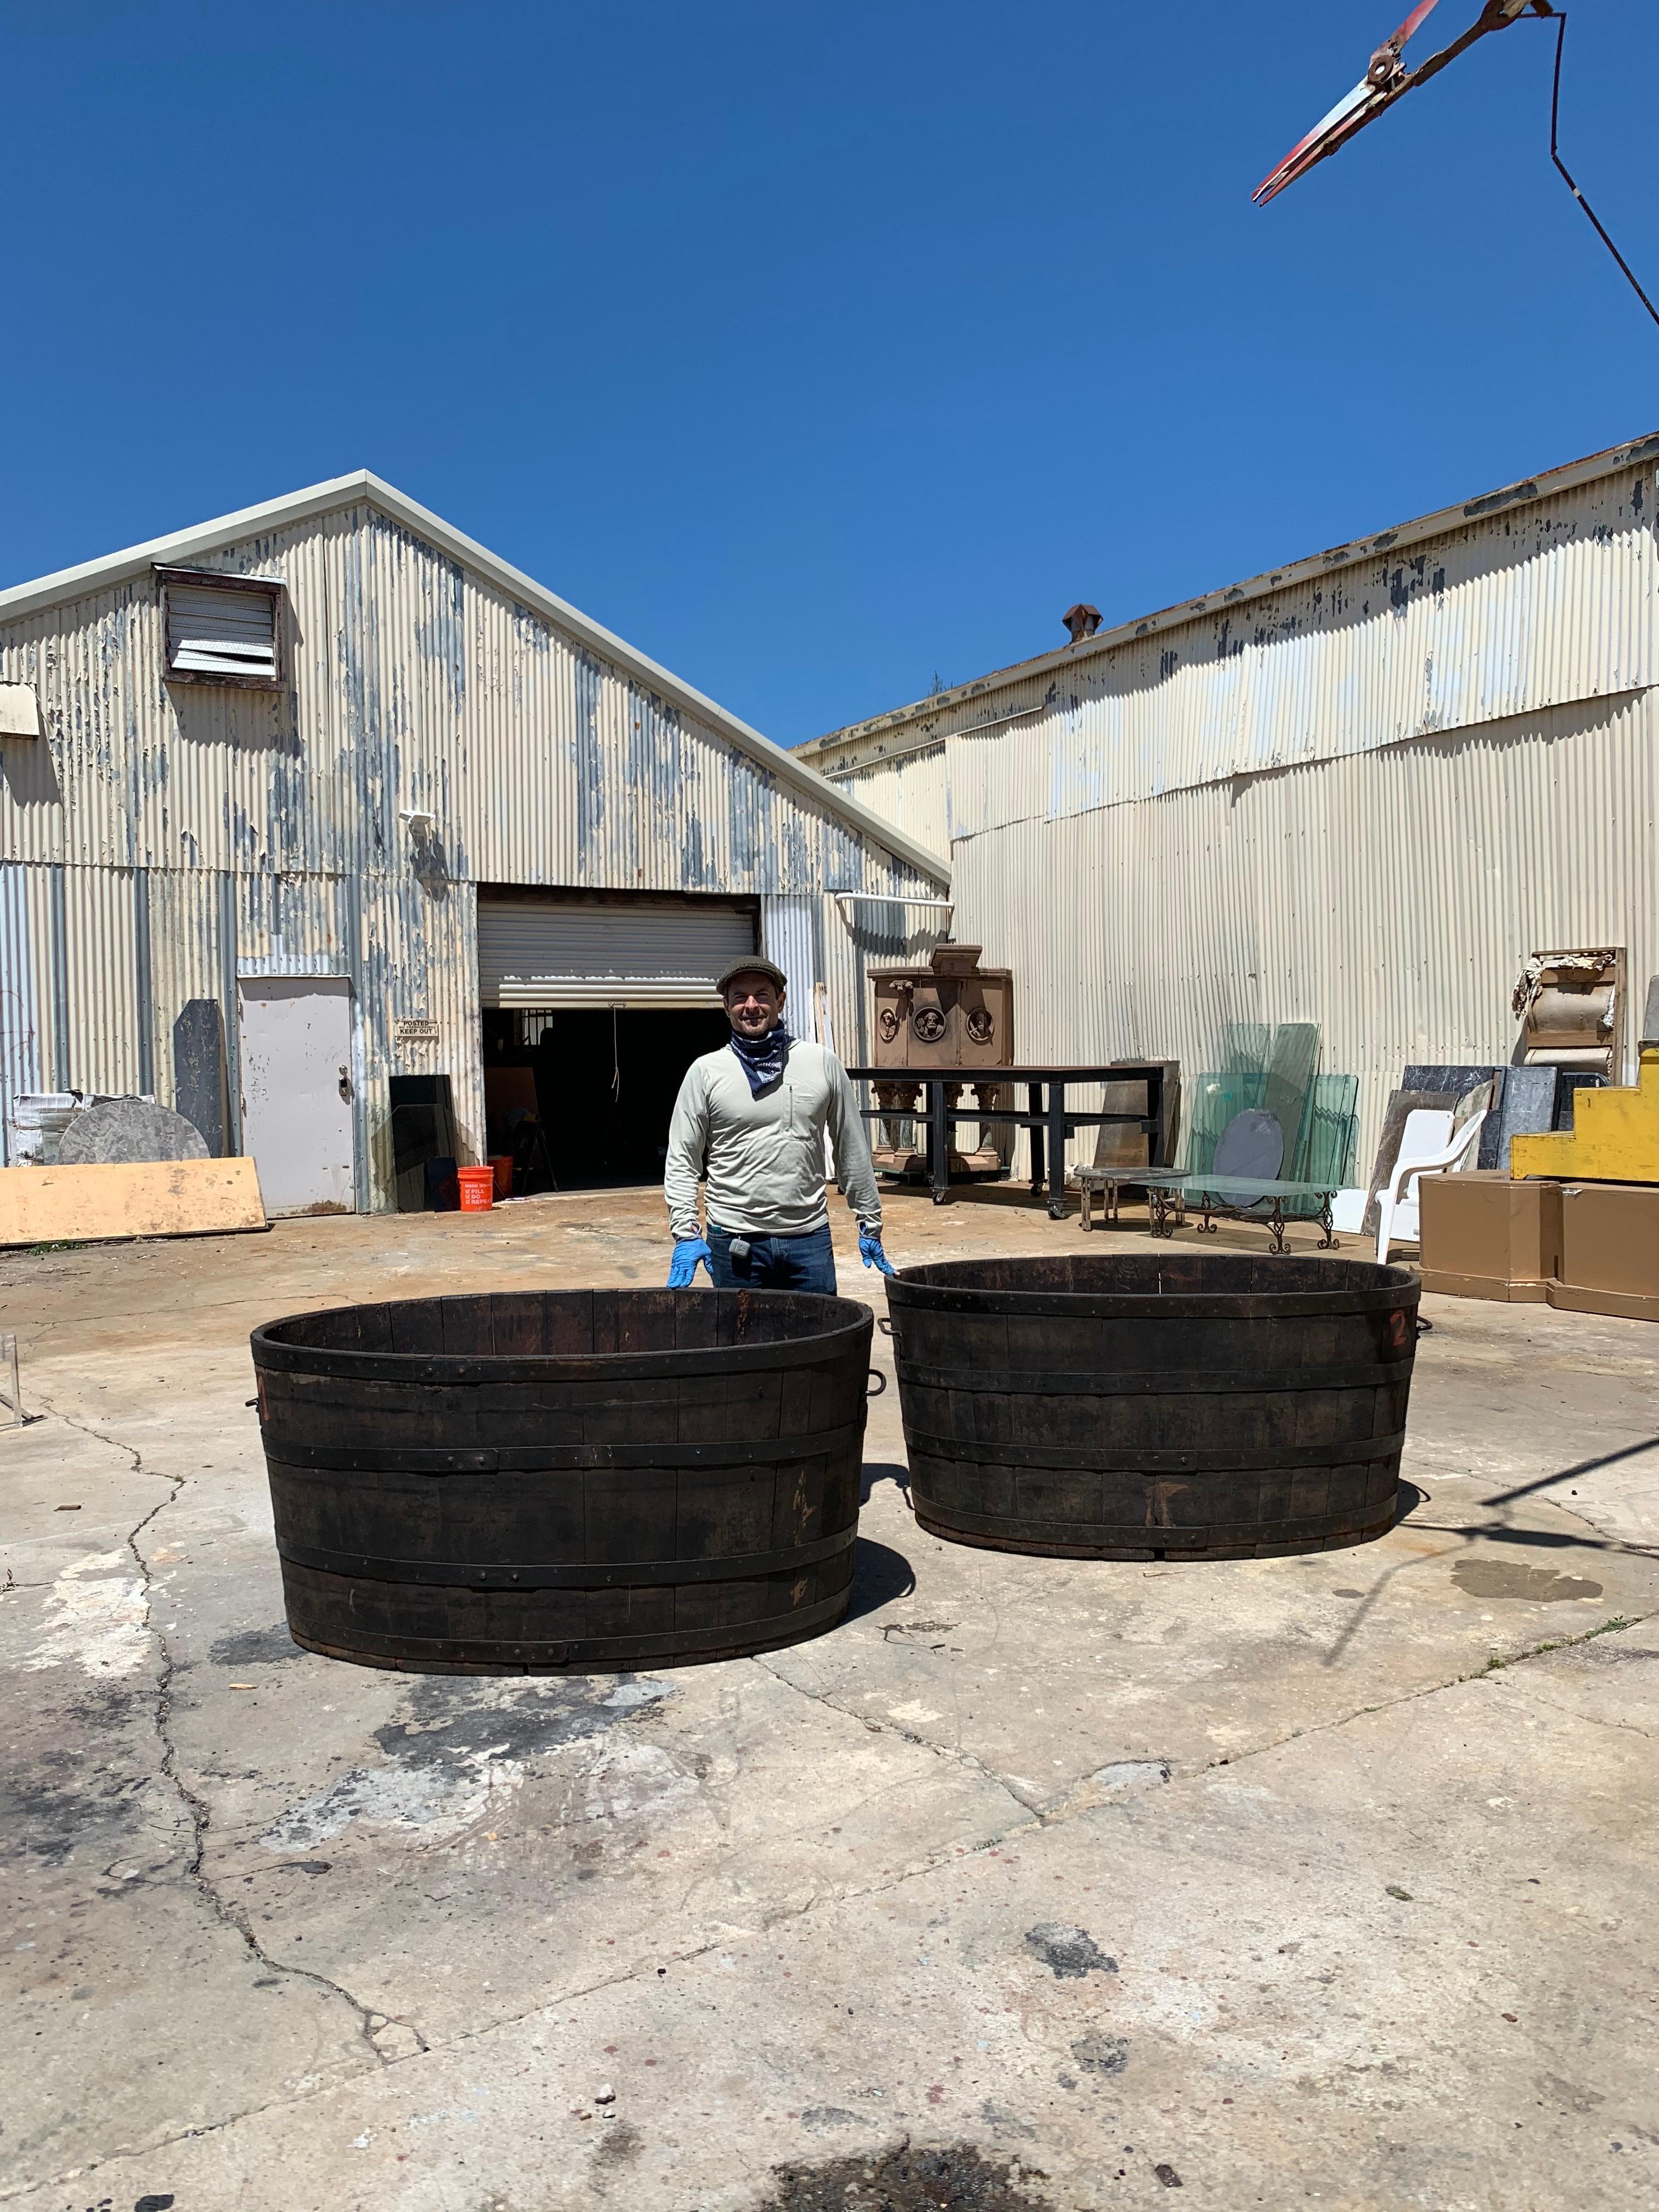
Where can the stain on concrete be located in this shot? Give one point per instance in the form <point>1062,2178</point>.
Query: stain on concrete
<point>97,1619</point>
<point>817,2116</point>
<point>619,2146</point>
<point>1004,2123</point>
<point>452,1717</point>
<point>956,2178</point>
<point>462,1743</point>
<point>1491,1578</point>
<point>1131,1774</point>
<point>255,1647</point>
<point>1570,2096</point>
<point>73,1784</point>
<point>1101,2054</point>
<point>1072,1953</point>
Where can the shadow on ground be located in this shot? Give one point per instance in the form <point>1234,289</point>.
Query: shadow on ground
<point>879,1576</point>
<point>881,1470</point>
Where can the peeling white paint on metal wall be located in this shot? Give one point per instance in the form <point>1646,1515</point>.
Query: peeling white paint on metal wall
<point>413,685</point>
<point>162,838</point>
<point>1541,605</point>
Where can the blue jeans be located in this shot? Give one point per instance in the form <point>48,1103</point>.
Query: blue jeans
<point>774,1263</point>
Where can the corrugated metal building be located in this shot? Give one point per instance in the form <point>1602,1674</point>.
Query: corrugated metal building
<point>331,739</point>
<point>1358,791</point>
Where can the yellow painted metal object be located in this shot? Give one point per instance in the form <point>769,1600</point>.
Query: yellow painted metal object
<point>1614,1136</point>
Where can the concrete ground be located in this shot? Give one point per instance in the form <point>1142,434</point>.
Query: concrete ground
<point>1037,1884</point>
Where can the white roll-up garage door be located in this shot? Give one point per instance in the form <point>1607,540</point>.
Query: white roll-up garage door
<point>632,953</point>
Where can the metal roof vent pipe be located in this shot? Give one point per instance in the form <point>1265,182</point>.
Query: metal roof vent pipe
<point>1082,620</point>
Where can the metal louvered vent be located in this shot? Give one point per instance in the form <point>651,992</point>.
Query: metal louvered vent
<point>222,629</point>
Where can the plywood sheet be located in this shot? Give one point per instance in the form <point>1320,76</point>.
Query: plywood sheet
<point>161,1198</point>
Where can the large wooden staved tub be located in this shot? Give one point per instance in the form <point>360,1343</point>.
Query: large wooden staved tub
<point>575,1481</point>
<point>1201,1406</point>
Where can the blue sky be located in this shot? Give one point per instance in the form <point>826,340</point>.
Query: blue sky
<point>818,349</point>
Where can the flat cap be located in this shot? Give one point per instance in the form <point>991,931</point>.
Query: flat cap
<point>752,965</point>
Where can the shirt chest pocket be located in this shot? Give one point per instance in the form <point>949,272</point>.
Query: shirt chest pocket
<point>798,1115</point>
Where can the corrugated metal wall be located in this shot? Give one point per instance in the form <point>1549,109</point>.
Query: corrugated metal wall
<point>162,839</point>
<point>911,791</point>
<point>1361,801</point>
<point>1390,897</point>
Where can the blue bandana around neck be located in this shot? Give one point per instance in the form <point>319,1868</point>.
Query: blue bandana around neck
<point>762,1059</point>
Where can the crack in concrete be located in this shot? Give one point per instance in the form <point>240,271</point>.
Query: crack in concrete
<point>767,1922</point>
<point>1037,1821</point>
<point>1572,1713</point>
<point>1062,1811</point>
<point>370,2022</point>
<point>782,1917</point>
<point>1410,1697</point>
<point>956,1752</point>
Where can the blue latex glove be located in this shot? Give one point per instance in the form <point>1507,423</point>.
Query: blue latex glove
<point>871,1253</point>
<point>689,1254</point>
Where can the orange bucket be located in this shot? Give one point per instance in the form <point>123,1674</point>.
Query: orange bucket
<point>502,1164</point>
<point>477,1188</point>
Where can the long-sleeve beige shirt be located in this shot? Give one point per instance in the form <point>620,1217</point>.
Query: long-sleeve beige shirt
<point>763,1158</point>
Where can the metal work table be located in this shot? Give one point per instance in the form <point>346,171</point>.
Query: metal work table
<point>1049,1118</point>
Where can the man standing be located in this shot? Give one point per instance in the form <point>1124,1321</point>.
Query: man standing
<point>752,1118</point>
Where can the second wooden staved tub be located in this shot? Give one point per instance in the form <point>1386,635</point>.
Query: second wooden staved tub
<point>1210,1405</point>
<point>569,1480</point>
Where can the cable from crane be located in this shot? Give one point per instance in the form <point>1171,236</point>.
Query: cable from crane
<point>1560,16</point>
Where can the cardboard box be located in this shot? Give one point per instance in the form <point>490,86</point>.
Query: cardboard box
<point>1485,1237</point>
<point>1609,1262</point>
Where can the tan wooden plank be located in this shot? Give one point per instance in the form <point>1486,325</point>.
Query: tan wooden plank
<point>163,1198</point>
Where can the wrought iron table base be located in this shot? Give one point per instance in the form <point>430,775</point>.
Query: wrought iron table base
<point>1168,1210</point>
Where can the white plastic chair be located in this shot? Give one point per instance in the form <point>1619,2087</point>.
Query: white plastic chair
<point>1427,1147</point>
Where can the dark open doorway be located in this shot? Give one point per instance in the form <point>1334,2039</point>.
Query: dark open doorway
<point>604,1086</point>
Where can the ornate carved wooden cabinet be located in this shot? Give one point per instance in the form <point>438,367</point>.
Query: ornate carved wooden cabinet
<point>953,1013</point>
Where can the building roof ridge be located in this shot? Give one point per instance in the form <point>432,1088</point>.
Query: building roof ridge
<point>177,547</point>
<point>1525,491</point>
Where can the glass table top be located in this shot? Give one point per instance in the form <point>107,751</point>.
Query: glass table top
<point>1217,1185</point>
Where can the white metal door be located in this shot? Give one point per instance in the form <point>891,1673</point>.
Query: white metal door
<point>296,1090</point>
